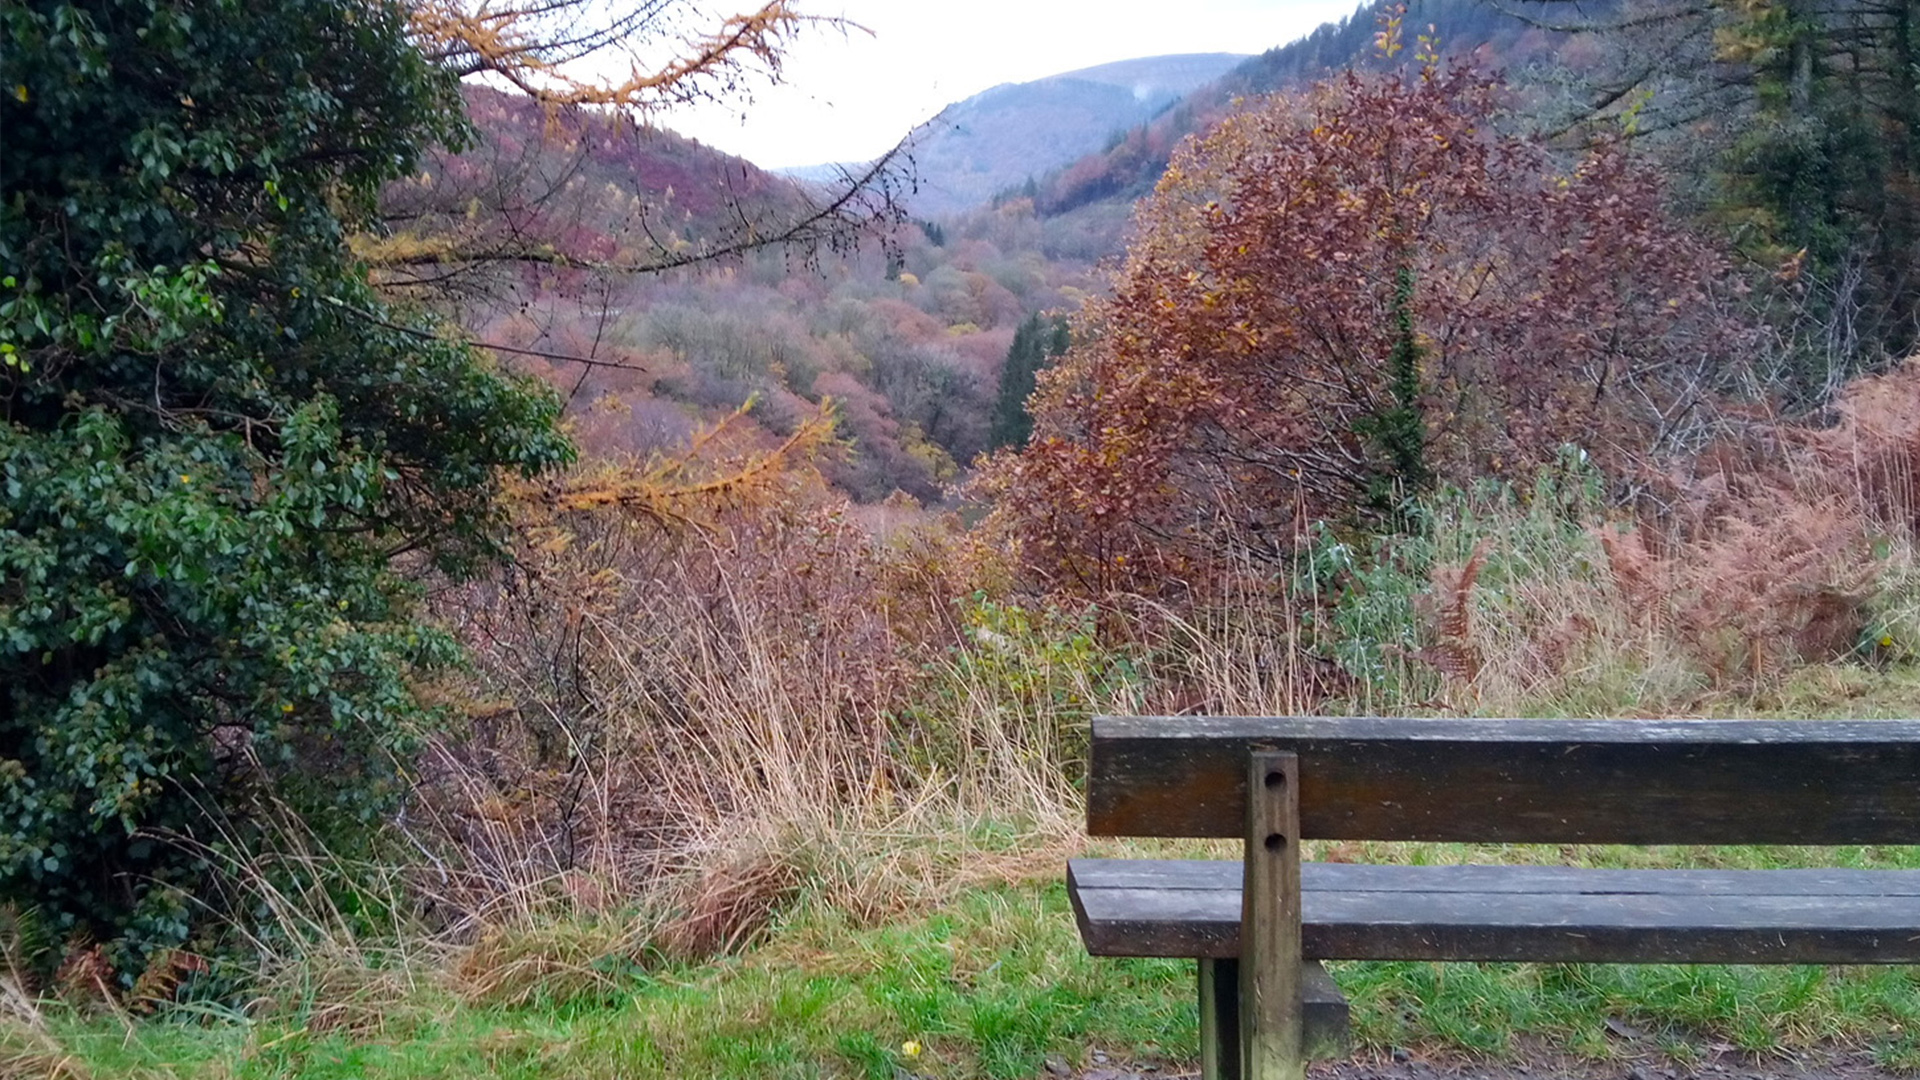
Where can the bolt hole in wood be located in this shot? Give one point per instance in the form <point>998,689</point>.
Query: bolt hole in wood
<point>1275,841</point>
<point>1276,779</point>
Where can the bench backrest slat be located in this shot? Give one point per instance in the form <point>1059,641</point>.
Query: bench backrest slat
<point>1519,781</point>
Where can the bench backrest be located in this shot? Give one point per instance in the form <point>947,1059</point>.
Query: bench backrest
<point>1518,781</point>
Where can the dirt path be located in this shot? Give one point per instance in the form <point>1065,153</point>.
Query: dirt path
<point>1715,1064</point>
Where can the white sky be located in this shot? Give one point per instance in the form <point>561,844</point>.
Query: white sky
<point>851,98</point>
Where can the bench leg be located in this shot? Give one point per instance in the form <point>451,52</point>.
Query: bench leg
<point>1219,1019</point>
<point>1323,1012</point>
<point>1271,1021</point>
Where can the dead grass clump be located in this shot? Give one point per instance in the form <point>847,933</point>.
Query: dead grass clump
<point>340,987</point>
<point>730,900</point>
<point>27,1051</point>
<point>553,960</point>
<point>1786,547</point>
<point>699,708</point>
<point>27,1048</point>
<point>1242,654</point>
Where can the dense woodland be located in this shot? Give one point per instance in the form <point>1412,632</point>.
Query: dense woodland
<point>437,508</point>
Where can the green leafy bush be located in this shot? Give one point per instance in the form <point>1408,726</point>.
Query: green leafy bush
<point>223,456</point>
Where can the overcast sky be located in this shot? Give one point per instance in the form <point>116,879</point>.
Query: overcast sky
<point>850,98</point>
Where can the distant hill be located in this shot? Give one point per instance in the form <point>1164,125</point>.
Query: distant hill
<point>1128,164</point>
<point>1000,138</point>
<point>573,163</point>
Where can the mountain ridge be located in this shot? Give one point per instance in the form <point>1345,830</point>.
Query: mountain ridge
<point>1005,134</point>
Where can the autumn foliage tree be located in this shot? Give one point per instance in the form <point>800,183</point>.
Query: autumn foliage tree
<point>1337,299</point>
<point>495,212</point>
<point>571,52</point>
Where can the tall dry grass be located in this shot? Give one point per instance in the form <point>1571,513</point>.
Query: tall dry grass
<point>698,722</point>
<point>1787,546</point>
<point>684,722</point>
<point>25,1044</point>
<point>707,695</point>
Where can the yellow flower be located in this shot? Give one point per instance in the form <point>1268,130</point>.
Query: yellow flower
<point>185,479</point>
<point>288,707</point>
<point>1886,641</point>
<point>911,1048</point>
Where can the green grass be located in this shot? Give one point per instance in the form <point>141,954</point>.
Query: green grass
<point>988,987</point>
<point>1481,1008</point>
<point>991,986</point>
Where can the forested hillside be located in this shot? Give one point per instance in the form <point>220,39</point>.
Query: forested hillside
<point>901,340</point>
<point>904,341</point>
<point>491,588</point>
<point>1504,37</point>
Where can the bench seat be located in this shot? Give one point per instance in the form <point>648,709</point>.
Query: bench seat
<point>1350,911</point>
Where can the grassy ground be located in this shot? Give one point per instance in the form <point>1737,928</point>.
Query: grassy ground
<point>988,982</point>
<point>986,987</point>
<point>912,960</point>
<point>991,986</point>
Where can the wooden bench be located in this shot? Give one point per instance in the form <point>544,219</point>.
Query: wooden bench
<point>1260,926</point>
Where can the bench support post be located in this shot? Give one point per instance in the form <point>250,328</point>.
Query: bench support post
<point>1219,1019</point>
<point>1271,1021</point>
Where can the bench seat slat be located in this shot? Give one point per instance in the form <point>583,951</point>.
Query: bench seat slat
<point>1548,914</point>
<point>1379,877</point>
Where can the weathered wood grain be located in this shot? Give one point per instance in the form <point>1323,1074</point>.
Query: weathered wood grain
<point>1323,1008</point>
<point>1325,1017</point>
<point>1549,914</point>
<point>1519,781</point>
<point>1271,1031</point>
<point>1219,1018</point>
<point>1371,877</point>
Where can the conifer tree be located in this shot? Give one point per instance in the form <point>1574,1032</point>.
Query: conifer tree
<point>1037,341</point>
<point>1807,118</point>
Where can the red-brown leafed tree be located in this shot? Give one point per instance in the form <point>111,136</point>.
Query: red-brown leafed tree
<point>1335,300</point>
